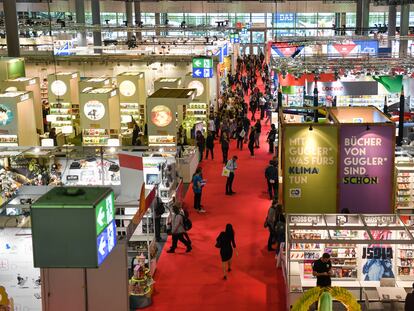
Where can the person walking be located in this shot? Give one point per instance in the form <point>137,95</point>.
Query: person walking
<point>246,126</point>
<point>258,130</point>
<point>409,301</point>
<point>280,227</point>
<point>271,137</point>
<point>177,230</point>
<point>240,135</point>
<point>200,141</point>
<point>271,175</point>
<point>322,269</point>
<point>252,139</point>
<point>210,145</point>
<point>270,223</point>
<point>211,126</point>
<point>225,144</point>
<point>231,166</point>
<point>198,184</point>
<point>226,242</point>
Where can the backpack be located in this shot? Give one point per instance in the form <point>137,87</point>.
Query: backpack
<point>187,224</point>
<point>279,227</point>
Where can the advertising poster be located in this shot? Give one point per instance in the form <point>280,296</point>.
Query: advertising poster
<point>377,258</point>
<point>353,48</point>
<point>310,170</point>
<point>17,274</point>
<point>366,168</point>
<point>16,68</point>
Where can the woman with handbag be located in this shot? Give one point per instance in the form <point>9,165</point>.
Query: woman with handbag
<point>226,242</point>
<point>280,226</point>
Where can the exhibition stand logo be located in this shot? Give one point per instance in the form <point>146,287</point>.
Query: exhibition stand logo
<point>58,88</point>
<point>94,110</point>
<point>127,88</point>
<point>6,115</point>
<point>161,116</point>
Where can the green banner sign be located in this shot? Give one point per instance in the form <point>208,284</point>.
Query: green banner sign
<point>105,213</point>
<point>310,168</point>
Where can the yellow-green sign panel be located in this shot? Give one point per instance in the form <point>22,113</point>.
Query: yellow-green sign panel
<point>310,174</point>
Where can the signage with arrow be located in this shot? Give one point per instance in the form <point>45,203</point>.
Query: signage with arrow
<point>202,67</point>
<point>235,38</point>
<point>106,242</point>
<point>105,212</point>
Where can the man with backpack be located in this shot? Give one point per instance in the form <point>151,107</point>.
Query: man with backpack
<point>271,175</point>
<point>178,230</point>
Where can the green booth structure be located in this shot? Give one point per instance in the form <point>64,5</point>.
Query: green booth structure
<point>326,165</point>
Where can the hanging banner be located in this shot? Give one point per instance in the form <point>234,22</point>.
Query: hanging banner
<point>392,84</point>
<point>285,49</point>
<point>353,48</point>
<point>339,88</point>
<point>366,168</point>
<point>310,174</point>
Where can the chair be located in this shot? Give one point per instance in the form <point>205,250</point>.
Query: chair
<point>372,306</point>
<point>387,282</point>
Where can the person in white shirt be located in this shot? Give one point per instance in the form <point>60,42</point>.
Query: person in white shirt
<point>212,127</point>
<point>231,166</point>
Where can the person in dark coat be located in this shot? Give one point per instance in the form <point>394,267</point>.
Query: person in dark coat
<point>225,144</point>
<point>210,145</point>
<point>271,137</point>
<point>226,242</point>
<point>252,137</point>
<point>200,141</point>
<point>409,301</point>
<point>271,175</point>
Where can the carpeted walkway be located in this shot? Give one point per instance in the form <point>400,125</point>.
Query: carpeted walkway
<point>194,281</point>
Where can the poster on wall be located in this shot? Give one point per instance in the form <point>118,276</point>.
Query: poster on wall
<point>366,168</point>
<point>310,174</point>
<point>377,258</point>
<point>18,276</point>
<point>161,116</point>
<point>6,115</point>
<point>94,110</point>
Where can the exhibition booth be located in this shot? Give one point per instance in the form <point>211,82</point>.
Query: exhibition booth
<point>365,250</point>
<point>162,114</point>
<point>100,117</point>
<point>63,96</point>
<point>24,84</point>
<point>132,96</point>
<point>347,153</point>
<point>17,119</point>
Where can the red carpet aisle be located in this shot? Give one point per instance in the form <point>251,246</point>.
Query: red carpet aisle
<point>194,281</point>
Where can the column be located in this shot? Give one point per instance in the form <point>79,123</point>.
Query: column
<point>137,9</point>
<point>80,19</point>
<point>96,20</point>
<point>392,22</point>
<point>128,11</point>
<point>157,24</point>
<point>12,29</point>
<point>362,17</point>
<point>365,17</point>
<point>404,19</point>
<point>343,23</point>
<point>337,23</point>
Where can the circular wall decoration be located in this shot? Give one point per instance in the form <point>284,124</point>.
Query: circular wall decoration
<point>127,88</point>
<point>198,86</point>
<point>6,115</point>
<point>94,110</point>
<point>58,88</point>
<point>161,115</point>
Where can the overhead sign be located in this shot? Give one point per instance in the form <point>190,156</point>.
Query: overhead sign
<point>235,38</point>
<point>338,88</point>
<point>202,67</point>
<point>353,48</point>
<point>106,241</point>
<point>284,49</point>
<point>105,212</point>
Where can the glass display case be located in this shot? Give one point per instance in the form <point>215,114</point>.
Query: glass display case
<point>363,249</point>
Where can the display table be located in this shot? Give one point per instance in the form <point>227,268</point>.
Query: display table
<point>187,165</point>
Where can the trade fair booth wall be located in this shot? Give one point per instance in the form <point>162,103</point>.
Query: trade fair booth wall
<point>162,114</point>
<point>370,253</point>
<point>98,82</point>
<point>17,119</point>
<point>132,96</point>
<point>24,84</point>
<point>348,154</point>
<point>100,116</point>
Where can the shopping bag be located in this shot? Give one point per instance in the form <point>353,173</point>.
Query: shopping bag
<point>225,172</point>
<point>242,133</point>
